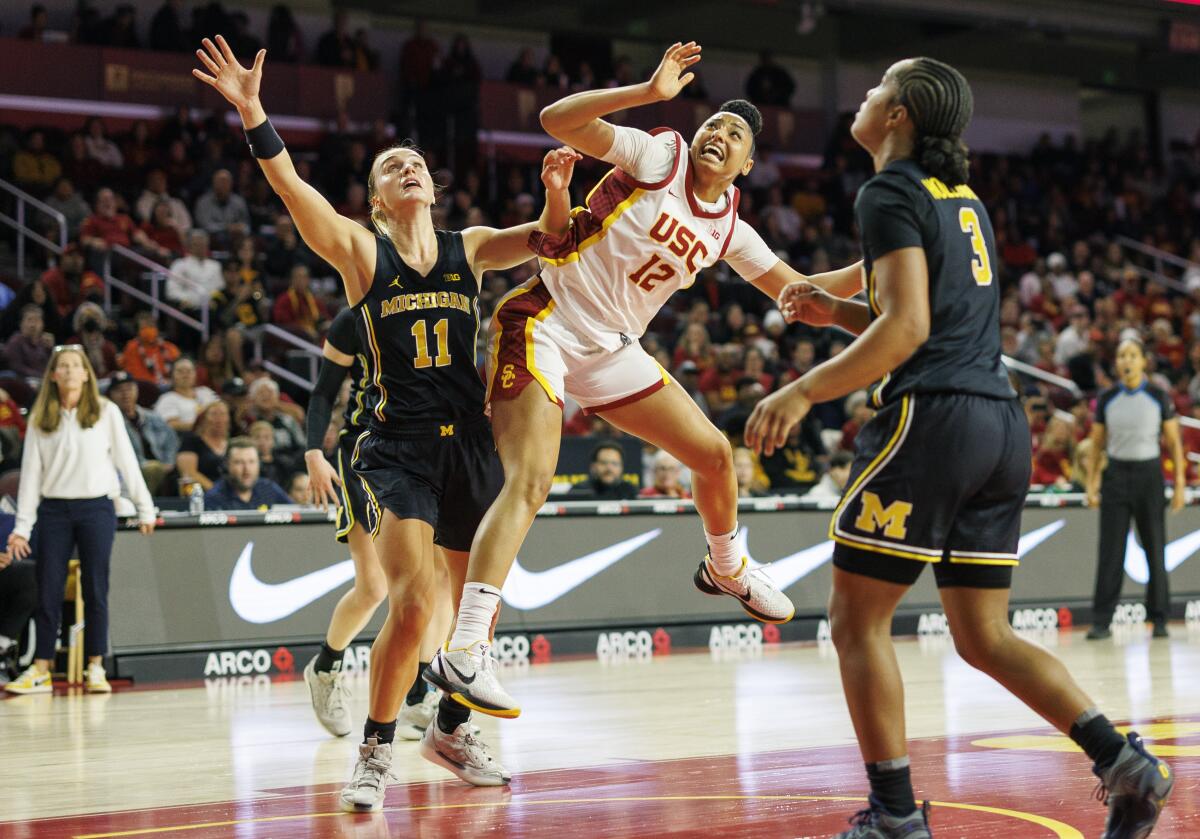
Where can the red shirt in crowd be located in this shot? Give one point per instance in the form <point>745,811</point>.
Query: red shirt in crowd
<point>65,294</point>
<point>115,230</point>
<point>1050,465</point>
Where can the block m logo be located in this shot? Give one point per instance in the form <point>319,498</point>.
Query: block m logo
<point>447,430</point>
<point>875,517</point>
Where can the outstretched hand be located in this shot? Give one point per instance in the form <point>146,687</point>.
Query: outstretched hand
<point>233,81</point>
<point>670,77</point>
<point>804,302</point>
<point>558,166</point>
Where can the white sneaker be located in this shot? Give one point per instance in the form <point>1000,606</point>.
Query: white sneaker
<point>468,676</point>
<point>328,693</point>
<point>463,754</point>
<point>368,785</point>
<point>755,592</point>
<point>414,719</point>
<point>31,681</point>
<point>95,680</point>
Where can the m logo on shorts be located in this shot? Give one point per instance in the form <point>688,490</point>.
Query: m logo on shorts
<point>875,517</point>
<point>447,430</point>
<point>507,376</point>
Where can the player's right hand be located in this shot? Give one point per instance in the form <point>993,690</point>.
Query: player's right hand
<point>670,77</point>
<point>1092,498</point>
<point>322,477</point>
<point>18,546</point>
<point>233,81</point>
<point>803,302</point>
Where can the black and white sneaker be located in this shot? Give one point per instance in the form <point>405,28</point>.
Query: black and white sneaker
<point>1135,788</point>
<point>754,591</point>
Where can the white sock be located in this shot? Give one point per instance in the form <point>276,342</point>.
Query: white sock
<point>475,612</point>
<point>722,550</point>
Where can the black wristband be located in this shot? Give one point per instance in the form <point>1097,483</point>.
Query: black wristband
<point>264,141</point>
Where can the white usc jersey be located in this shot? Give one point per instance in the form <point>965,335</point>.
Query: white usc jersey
<point>632,247</point>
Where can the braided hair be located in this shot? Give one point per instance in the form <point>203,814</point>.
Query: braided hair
<point>940,103</point>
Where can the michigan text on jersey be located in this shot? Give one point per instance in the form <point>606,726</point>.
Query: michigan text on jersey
<point>425,300</point>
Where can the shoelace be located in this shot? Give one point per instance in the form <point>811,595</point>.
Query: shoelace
<point>863,818</point>
<point>1102,793</point>
<point>475,747</point>
<point>374,772</point>
<point>339,692</point>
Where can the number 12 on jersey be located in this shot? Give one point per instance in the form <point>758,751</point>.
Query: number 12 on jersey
<point>441,331</point>
<point>981,266</point>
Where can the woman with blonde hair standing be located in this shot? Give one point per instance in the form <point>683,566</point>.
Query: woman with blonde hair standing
<point>75,449</point>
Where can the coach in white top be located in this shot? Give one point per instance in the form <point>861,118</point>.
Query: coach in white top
<point>74,450</point>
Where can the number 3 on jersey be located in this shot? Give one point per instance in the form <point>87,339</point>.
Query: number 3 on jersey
<point>441,330</point>
<point>981,266</point>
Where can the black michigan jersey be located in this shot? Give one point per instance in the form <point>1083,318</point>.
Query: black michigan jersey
<point>419,334</point>
<point>344,337</point>
<point>902,207</point>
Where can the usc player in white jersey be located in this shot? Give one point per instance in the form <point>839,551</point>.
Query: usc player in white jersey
<point>665,211</point>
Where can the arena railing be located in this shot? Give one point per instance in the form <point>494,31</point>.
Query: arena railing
<point>1161,259</point>
<point>156,275</point>
<point>19,222</point>
<point>312,355</point>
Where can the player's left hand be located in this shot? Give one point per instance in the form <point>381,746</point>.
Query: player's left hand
<point>1179,498</point>
<point>558,166</point>
<point>774,418</point>
<point>804,302</point>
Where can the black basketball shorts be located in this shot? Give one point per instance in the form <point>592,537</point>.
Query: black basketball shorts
<point>447,475</point>
<point>355,507</point>
<point>937,479</point>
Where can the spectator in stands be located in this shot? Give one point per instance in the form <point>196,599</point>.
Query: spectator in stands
<point>99,147</point>
<point>1062,282</point>
<point>28,350</point>
<point>241,40</point>
<point>277,469</point>
<point>201,455</point>
<point>161,230</point>
<point>666,479</point>
<point>214,369</point>
<point>553,74</point>
<point>70,203</point>
<point>76,457</point>
<point>12,431</point>
<point>121,28</point>
<point>688,375</point>
<point>719,382</point>
<point>733,420</point>
<point>829,489</point>
<point>1054,455</point>
<point>797,465</point>
<point>265,405</point>
<point>18,600</point>
<point>221,211</point>
<point>148,356</point>
<point>1073,340</point>
<point>298,308</point>
<point>37,294</point>
<point>83,169</point>
<point>524,70</point>
<point>242,488</point>
<point>71,283</point>
<point>154,442</point>
<point>745,469</point>
<point>139,151</point>
<point>89,324</point>
<point>156,193</point>
<point>770,84</point>
<point>605,480</point>
<point>286,250</point>
<point>180,405</point>
<point>460,77</point>
<point>299,489</point>
<point>108,227</point>
<point>285,42</point>
<point>167,32</point>
<point>195,278</point>
<point>34,168</point>
<point>418,61</point>
<point>859,413</point>
<point>35,30</point>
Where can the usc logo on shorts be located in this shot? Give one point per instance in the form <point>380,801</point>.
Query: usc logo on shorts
<point>892,520</point>
<point>507,376</point>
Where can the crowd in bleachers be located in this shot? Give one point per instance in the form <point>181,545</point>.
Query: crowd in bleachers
<point>185,193</point>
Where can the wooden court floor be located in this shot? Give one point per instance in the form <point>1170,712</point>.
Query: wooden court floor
<point>756,744</point>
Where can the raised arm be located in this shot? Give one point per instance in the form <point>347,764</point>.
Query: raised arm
<point>576,119</point>
<point>343,243</point>
<point>494,249</point>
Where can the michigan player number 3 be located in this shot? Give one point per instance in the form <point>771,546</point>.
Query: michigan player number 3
<point>981,266</point>
<point>441,331</point>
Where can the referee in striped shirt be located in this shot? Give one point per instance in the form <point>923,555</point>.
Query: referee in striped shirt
<point>1131,418</point>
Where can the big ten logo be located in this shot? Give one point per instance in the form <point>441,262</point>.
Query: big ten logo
<point>1129,614</point>
<point>1035,619</point>
<point>744,640</point>
<point>223,687</point>
<point>1192,615</point>
<point>511,650</point>
<point>357,659</point>
<point>618,647</point>
<point>933,625</point>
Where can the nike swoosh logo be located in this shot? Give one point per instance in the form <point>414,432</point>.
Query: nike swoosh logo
<point>458,672</point>
<point>1177,553</point>
<point>257,602</point>
<point>533,589</point>
<point>788,570</point>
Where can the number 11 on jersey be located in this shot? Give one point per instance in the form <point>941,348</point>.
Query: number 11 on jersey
<point>441,330</point>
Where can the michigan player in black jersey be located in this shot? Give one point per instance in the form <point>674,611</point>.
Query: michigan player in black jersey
<point>344,354</point>
<point>427,462</point>
<point>941,472</point>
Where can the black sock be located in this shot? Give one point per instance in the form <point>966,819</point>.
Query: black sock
<point>385,732</point>
<point>328,659</point>
<point>419,687</point>
<point>891,785</point>
<point>1093,733</point>
<point>451,715</point>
